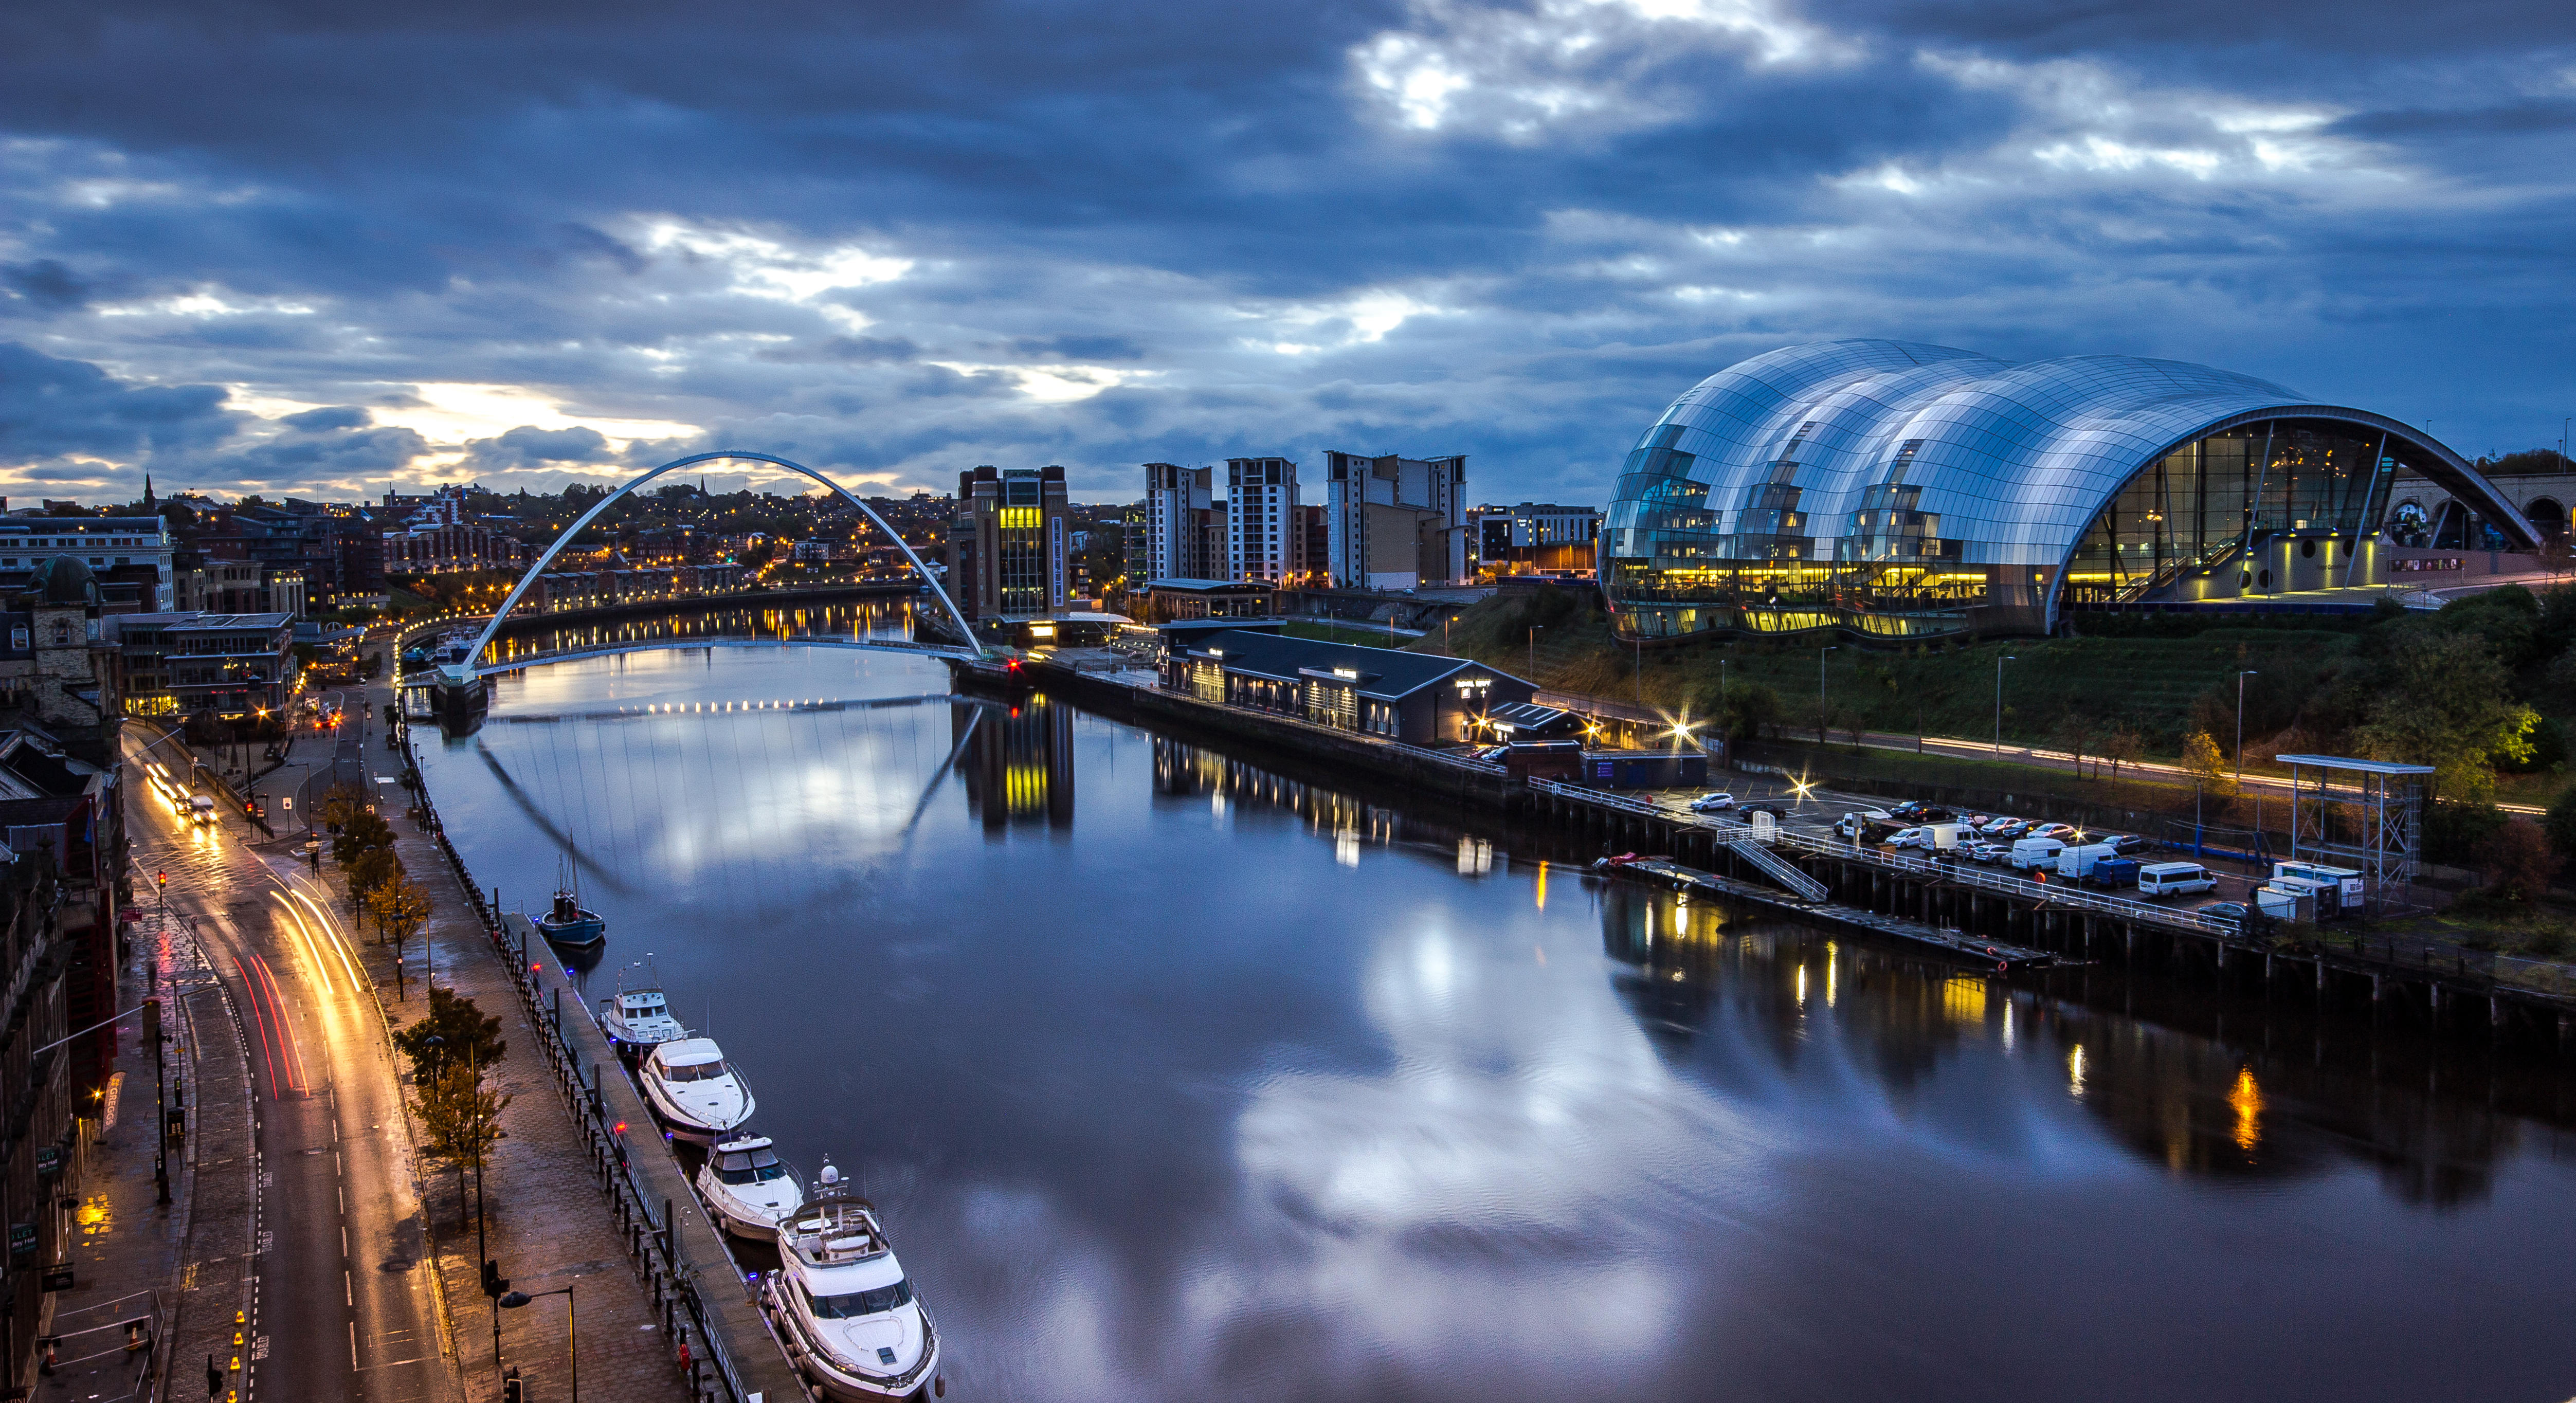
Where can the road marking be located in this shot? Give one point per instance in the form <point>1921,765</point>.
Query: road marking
<point>353,1347</point>
<point>348,1289</point>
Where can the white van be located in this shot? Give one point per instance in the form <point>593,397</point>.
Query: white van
<point>2169,878</point>
<point>1942,837</point>
<point>2076,860</point>
<point>2028,853</point>
<point>201,809</point>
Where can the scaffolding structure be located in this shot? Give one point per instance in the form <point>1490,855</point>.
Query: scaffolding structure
<point>2382,832</point>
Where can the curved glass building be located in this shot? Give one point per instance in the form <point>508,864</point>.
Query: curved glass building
<point>1903,491</point>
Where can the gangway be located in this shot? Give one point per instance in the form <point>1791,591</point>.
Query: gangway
<point>1772,865</point>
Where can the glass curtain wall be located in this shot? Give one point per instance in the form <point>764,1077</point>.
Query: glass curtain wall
<point>2204,503</point>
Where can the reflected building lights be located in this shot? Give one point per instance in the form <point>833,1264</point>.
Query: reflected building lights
<point>2075,1071</point>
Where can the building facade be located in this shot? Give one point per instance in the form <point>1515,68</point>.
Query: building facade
<point>1418,698</point>
<point>1009,542</point>
<point>1897,490</point>
<point>1264,533</point>
<point>1173,541</point>
<point>1394,522</point>
<point>2427,514</point>
<point>130,556</point>
<point>230,666</point>
<point>439,537</point>
<point>1536,538</point>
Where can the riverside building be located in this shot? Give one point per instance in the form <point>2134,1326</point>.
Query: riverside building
<point>1264,531</point>
<point>1420,698</point>
<point>1008,542</point>
<point>1897,490</point>
<point>1393,522</point>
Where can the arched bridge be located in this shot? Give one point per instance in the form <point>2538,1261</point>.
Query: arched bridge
<point>468,672</point>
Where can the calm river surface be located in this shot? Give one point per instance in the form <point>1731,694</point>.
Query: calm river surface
<point>1179,1080</point>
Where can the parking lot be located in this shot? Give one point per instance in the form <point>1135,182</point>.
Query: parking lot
<point>1815,812</point>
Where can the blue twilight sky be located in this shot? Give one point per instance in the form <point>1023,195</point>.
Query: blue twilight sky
<point>312,248</point>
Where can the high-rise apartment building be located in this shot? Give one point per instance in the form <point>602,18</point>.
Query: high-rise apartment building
<point>1396,522</point>
<point>1178,504</point>
<point>1264,537</point>
<point>1007,546</point>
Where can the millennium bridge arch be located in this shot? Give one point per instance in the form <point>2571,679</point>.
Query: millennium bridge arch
<point>460,680</point>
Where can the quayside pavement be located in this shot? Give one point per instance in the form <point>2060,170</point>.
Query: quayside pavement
<point>543,1219</point>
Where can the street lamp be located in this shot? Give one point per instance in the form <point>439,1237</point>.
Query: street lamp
<point>1533,652</point>
<point>572,1335</point>
<point>1999,701</point>
<point>2240,726</point>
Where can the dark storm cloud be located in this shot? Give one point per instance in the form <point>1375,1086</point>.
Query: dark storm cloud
<point>892,240</point>
<point>54,408</point>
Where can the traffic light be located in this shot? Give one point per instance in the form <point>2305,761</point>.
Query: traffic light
<point>512,1390</point>
<point>160,879</point>
<point>494,1283</point>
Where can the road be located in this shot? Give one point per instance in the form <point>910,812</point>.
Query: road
<point>344,1305</point>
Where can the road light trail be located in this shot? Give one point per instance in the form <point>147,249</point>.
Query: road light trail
<point>311,951</point>
<point>265,989</point>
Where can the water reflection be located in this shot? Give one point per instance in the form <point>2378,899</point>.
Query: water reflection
<point>1019,767</point>
<point>1246,1086</point>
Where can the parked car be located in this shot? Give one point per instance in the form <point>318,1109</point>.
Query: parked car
<point>2227,911</point>
<point>2007,829</point>
<point>1906,838</point>
<point>1979,850</point>
<point>2126,844</point>
<point>2061,831</point>
<point>1775,810</point>
<point>2113,874</point>
<point>1907,812</point>
<point>1712,802</point>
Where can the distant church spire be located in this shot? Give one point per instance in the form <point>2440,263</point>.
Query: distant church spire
<point>148,502</point>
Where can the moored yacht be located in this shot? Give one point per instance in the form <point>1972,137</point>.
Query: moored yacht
<point>843,1305</point>
<point>747,1188</point>
<point>638,1020</point>
<point>694,1090</point>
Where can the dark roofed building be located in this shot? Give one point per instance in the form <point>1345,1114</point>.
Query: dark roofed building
<point>1419,698</point>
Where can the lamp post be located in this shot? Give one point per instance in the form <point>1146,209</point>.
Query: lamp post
<point>2240,726</point>
<point>1999,700</point>
<point>1533,652</point>
<point>1820,692</point>
<point>572,1332</point>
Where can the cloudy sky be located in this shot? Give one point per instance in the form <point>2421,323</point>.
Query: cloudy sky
<point>313,248</point>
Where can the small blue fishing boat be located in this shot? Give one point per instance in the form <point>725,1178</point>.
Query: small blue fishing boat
<point>568,923</point>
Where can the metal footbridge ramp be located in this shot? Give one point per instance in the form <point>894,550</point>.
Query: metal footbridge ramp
<point>1777,868</point>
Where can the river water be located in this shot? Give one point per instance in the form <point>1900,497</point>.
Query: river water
<point>1180,1079</point>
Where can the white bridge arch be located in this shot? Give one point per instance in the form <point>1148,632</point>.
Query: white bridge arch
<point>463,672</point>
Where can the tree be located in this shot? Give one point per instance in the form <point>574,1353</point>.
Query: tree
<point>341,803</point>
<point>399,905</point>
<point>363,832</point>
<point>460,1117</point>
<point>2073,733</point>
<point>2207,763</point>
<point>2443,699</point>
<point>2516,862</point>
<point>370,870</point>
<point>2122,746</point>
<point>1751,708</point>
<point>464,1032</point>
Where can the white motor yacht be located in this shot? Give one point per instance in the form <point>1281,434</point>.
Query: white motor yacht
<point>747,1188</point>
<point>694,1090</point>
<point>841,1302</point>
<point>638,1020</point>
